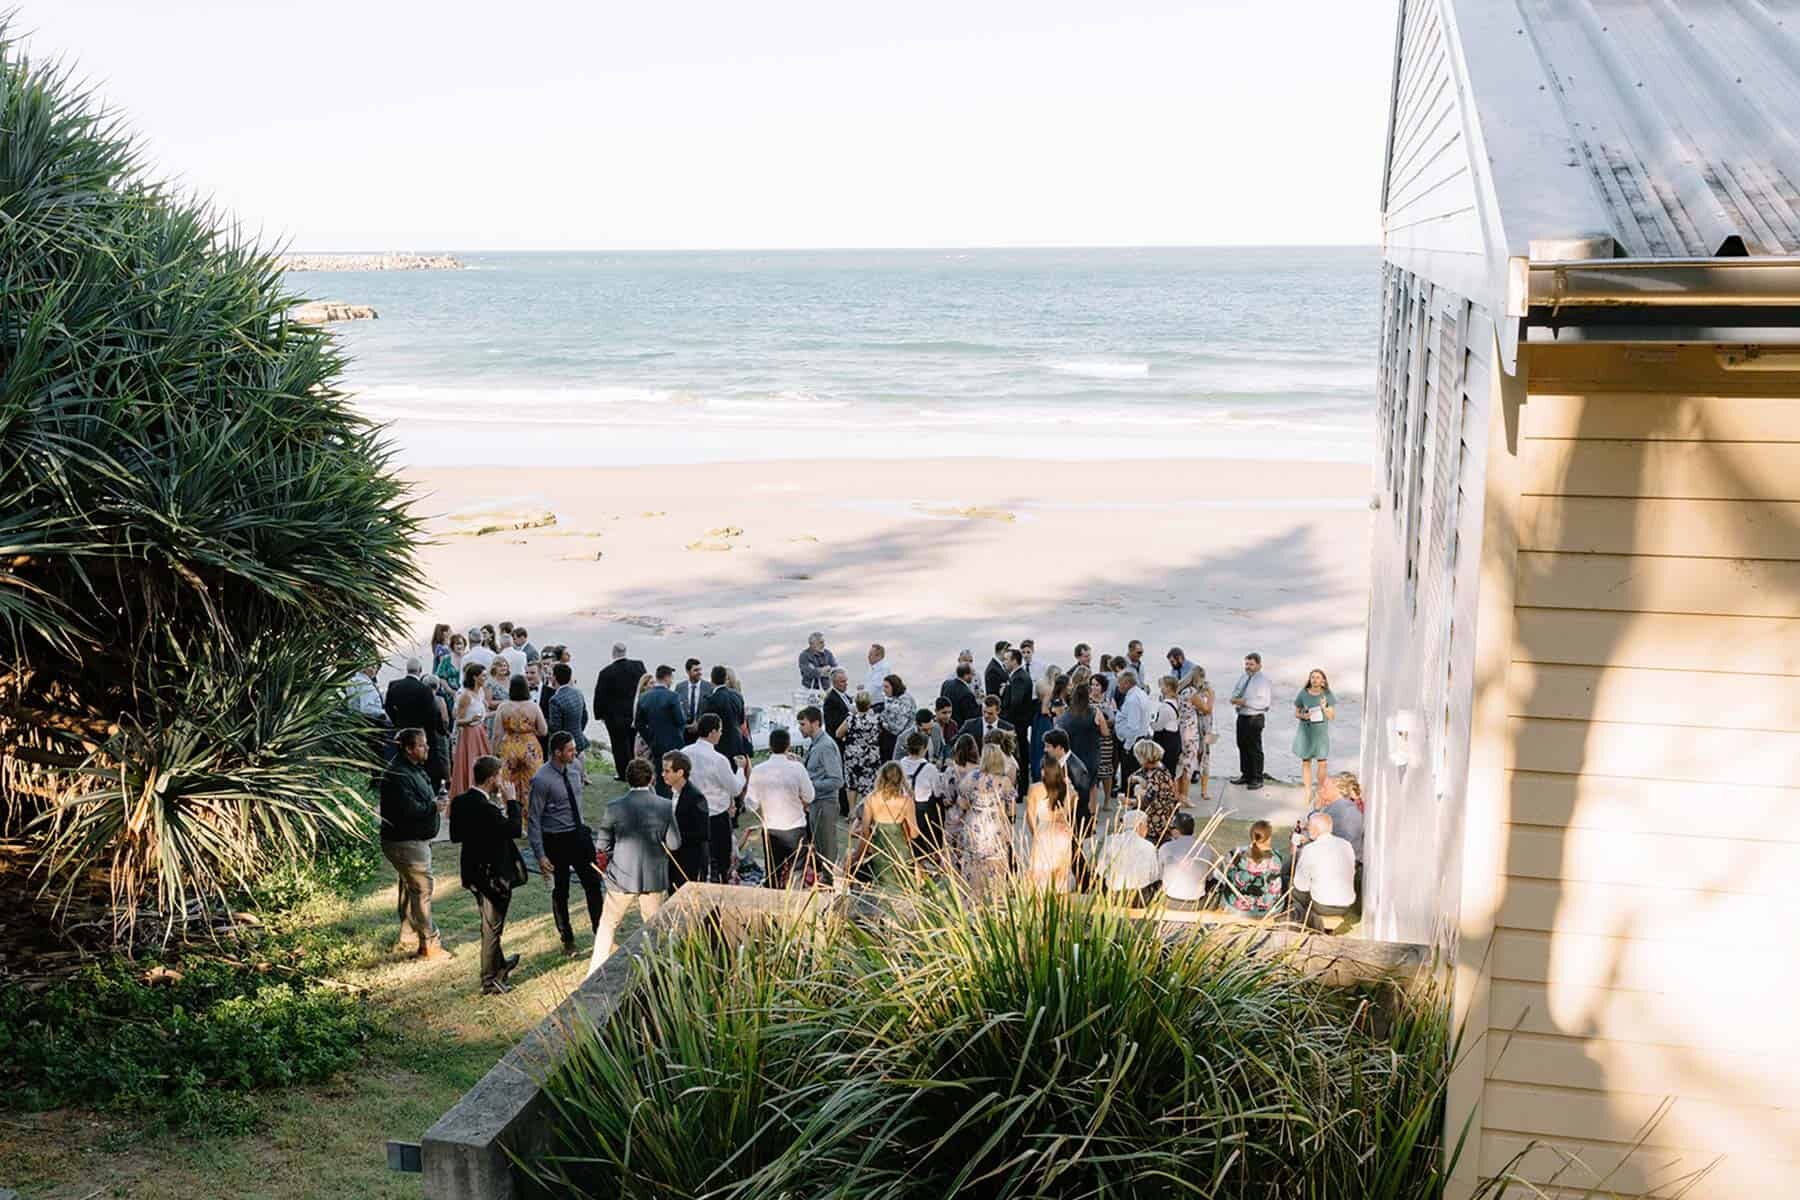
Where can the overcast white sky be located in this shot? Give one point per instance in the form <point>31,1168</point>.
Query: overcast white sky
<point>544,124</point>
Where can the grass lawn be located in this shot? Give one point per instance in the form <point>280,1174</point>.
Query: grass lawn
<point>442,1035</point>
<point>329,1140</point>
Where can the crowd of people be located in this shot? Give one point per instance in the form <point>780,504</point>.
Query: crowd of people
<point>1074,779</point>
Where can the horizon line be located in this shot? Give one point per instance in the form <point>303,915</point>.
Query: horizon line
<point>447,249</point>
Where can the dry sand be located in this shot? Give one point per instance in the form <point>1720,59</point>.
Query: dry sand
<point>736,563</point>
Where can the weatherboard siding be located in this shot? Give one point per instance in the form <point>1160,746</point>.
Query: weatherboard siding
<point>1641,961</point>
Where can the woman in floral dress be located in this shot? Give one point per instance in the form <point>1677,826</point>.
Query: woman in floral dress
<point>1197,695</point>
<point>1153,790</point>
<point>521,722</point>
<point>987,826</point>
<point>861,735</point>
<point>956,789</point>
<point>1253,875</point>
<point>499,688</point>
<point>897,714</point>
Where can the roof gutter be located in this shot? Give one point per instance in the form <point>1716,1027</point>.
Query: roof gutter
<point>1656,300</point>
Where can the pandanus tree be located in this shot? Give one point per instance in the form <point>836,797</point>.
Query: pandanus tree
<point>199,538</point>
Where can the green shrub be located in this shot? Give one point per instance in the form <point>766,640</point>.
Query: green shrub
<point>337,867</point>
<point>182,1043</point>
<point>1045,1046</point>
<point>201,538</point>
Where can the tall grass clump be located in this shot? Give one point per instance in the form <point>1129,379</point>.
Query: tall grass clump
<point>200,538</point>
<point>1045,1045</point>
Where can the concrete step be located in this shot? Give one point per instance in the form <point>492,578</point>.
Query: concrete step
<point>1280,804</point>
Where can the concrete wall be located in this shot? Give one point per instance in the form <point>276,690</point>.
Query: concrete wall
<point>1437,374</point>
<point>1629,896</point>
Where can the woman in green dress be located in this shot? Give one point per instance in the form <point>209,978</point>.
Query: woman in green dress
<point>885,830</point>
<point>1315,708</point>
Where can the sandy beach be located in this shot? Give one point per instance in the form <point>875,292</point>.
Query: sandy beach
<point>735,563</point>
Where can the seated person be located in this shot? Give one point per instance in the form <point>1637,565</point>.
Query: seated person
<point>1251,882</point>
<point>1324,875</point>
<point>1126,864</point>
<point>1340,796</point>
<point>1187,867</point>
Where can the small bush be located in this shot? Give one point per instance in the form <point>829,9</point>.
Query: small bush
<point>345,862</point>
<point>180,1042</point>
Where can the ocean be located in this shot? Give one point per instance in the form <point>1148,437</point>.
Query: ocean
<point>1066,355</point>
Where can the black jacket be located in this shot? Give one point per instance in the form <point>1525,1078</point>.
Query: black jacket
<point>615,691</point>
<point>963,704</point>
<point>729,707</point>
<point>659,719</point>
<point>973,728</point>
<point>691,817</point>
<point>489,838</point>
<point>412,704</point>
<point>995,677</point>
<point>836,709</point>
<point>1017,703</point>
<point>408,804</point>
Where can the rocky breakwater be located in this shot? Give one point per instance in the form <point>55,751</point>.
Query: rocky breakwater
<point>370,262</point>
<point>321,312</point>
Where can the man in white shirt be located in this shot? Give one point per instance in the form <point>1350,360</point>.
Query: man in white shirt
<point>363,698</point>
<point>1325,876</point>
<point>477,653</point>
<point>1251,697</point>
<point>721,781</point>
<point>878,672</point>
<point>1187,864</point>
<point>781,792</point>
<point>1132,723</point>
<point>515,658</point>
<point>1126,864</point>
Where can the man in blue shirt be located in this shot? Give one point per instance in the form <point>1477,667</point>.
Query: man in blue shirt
<point>560,841</point>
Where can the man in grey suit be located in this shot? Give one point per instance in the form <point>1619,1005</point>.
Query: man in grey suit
<point>693,692</point>
<point>636,835</point>
<point>825,767</point>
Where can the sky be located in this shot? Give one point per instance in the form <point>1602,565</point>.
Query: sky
<point>544,124</point>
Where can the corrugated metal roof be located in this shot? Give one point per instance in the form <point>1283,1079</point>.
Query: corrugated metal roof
<point>1683,113</point>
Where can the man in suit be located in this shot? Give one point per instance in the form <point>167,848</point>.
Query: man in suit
<point>1056,750</point>
<point>487,833</point>
<point>997,670</point>
<point>411,703</point>
<point>825,767</point>
<point>1019,703</point>
<point>693,692</point>
<point>724,701</point>
<point>838,703</point>
<point>986,723</point>
<point>636,836</point>
<point>692,820</point>
<point>834,710</point>
<point>615,703</point>
<point>959,690</point>
<point>660,720</point>
<point>568,711</point>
